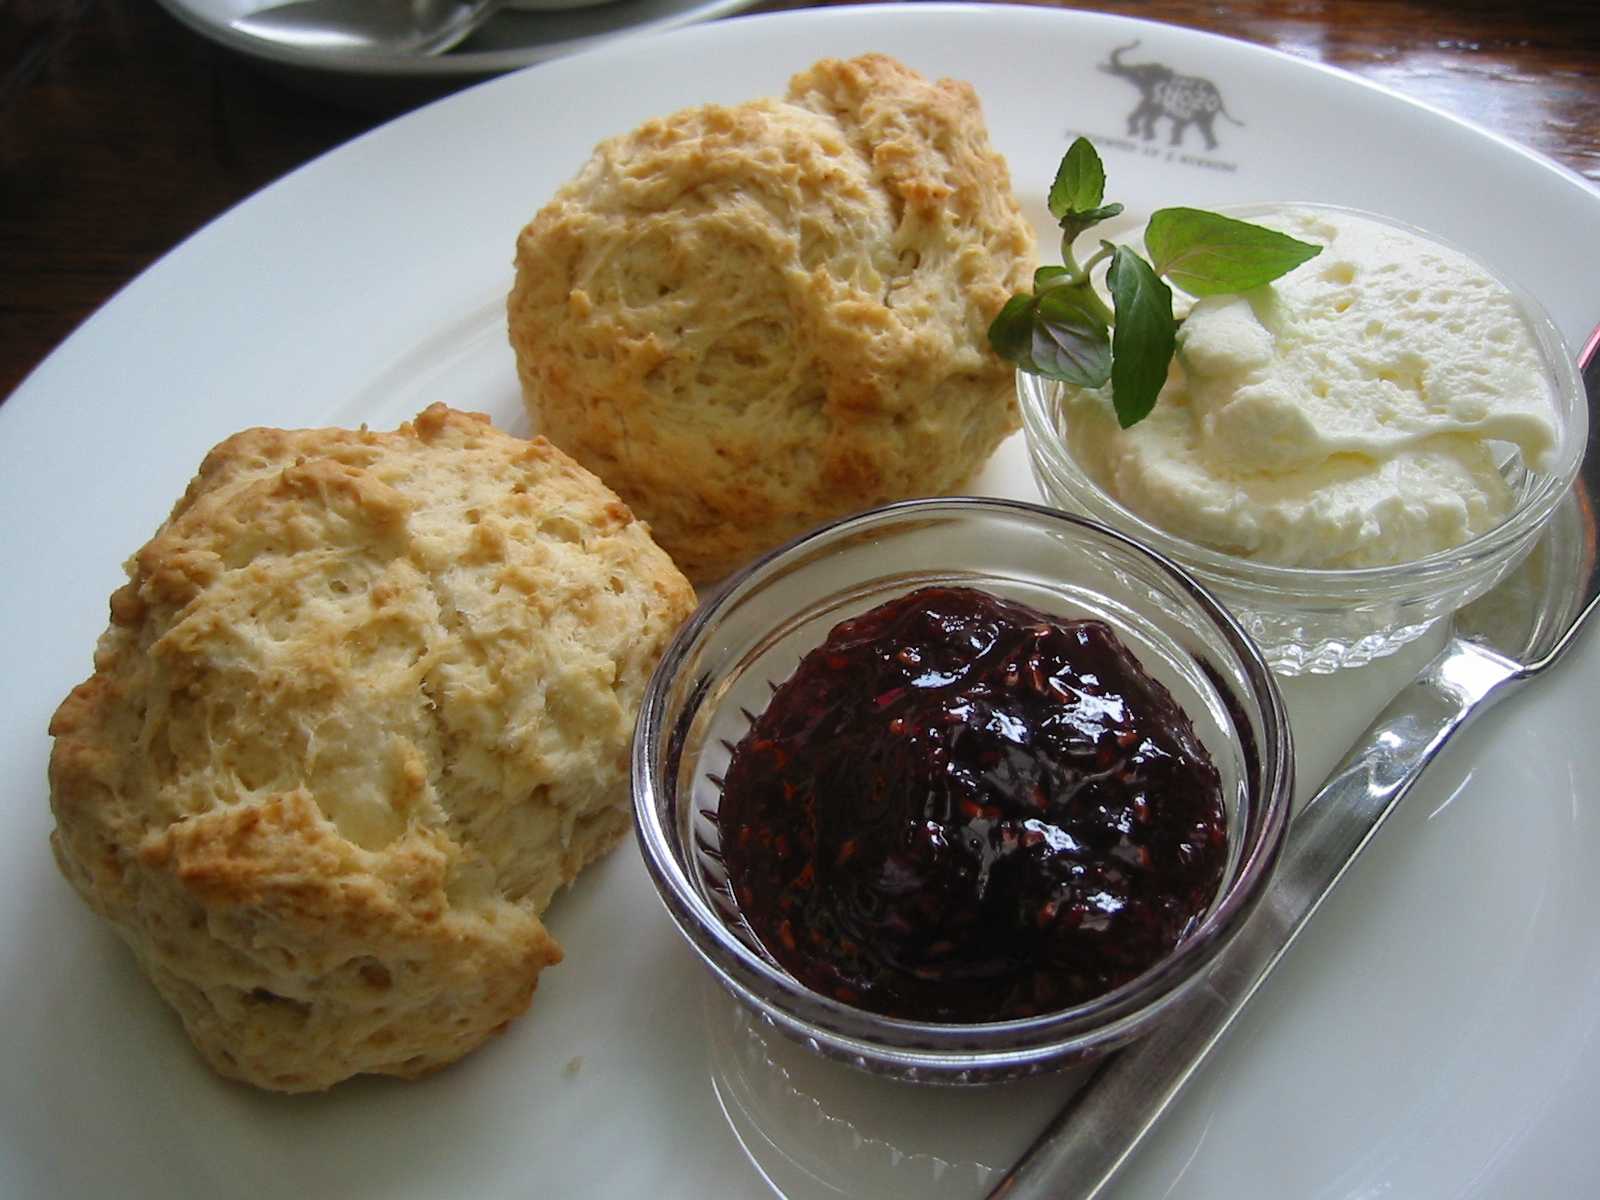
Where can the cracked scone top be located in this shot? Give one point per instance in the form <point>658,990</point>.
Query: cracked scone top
<point>365,703</point>
<point>752,319</point>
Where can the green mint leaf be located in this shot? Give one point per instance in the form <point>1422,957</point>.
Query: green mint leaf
<point>1104,213</point>
<point>1205,253</point>
<point>1054,335</point>
<point>1011,333</point>
<point>1076,194</point>
<point>1070,342</point>
<point>1075,223</point>
<point>1043,276</point>
<point>1080,181</point>
<point>1143,339</point>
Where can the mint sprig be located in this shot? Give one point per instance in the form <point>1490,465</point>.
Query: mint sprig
<point>1064,330</point>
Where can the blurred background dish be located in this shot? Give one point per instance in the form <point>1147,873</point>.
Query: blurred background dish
<point>369,26</point>
<point>520,34</point>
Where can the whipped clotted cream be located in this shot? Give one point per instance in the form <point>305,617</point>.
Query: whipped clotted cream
<point>1346,415</point>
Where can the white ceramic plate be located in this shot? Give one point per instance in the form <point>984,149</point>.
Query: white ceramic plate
<point>1433,1035</point>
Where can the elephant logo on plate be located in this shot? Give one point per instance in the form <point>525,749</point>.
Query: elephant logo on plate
<point>1183,99</point>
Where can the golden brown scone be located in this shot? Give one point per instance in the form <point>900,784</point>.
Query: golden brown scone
<point>750,320</point>
<point>365,704</point>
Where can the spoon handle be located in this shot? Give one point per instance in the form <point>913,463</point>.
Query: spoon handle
<point>1083,1148</point>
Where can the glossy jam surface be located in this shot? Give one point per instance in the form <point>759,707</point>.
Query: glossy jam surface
<point>960,809</point>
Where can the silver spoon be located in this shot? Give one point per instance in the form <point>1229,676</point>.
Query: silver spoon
<point>1499,643</point>
<point>368,27</point>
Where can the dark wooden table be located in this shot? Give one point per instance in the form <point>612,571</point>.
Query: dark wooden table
<point>122,132</point>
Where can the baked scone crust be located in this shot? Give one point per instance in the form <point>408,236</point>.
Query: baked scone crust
<point>749,320</point>
<point>364,704</point>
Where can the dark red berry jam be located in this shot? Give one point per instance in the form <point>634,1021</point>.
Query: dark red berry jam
<point>960,809</point>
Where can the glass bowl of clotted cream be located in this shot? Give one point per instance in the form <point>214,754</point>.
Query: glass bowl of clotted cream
<point>1344,456</point>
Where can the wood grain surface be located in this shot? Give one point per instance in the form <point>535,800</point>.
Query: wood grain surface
<point>121,132</point>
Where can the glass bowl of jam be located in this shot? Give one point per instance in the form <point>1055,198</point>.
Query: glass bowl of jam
<point>961,790</point>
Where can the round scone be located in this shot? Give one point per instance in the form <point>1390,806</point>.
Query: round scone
<point>365,703</point>
<point>750,320</point>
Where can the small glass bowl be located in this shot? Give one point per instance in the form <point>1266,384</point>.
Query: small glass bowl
<point>750,636</point>
<point>1319,620</point>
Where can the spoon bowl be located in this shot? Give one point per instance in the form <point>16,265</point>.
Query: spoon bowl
<point>368,27</point>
